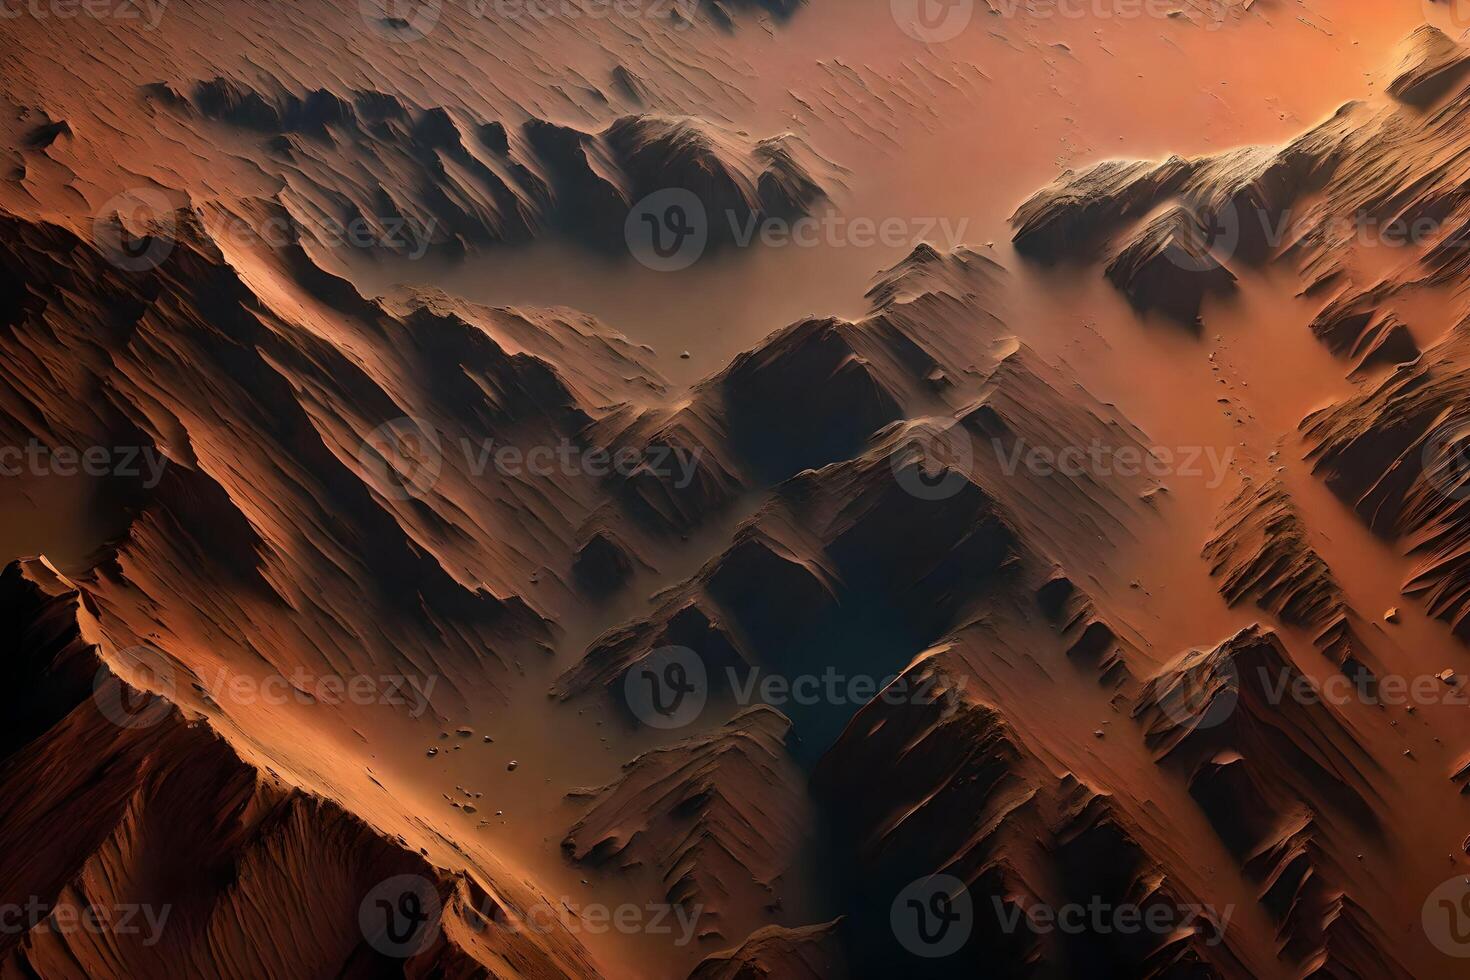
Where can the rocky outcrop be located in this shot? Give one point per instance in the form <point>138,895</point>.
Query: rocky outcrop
<point>718,817</point>
<point>1068,219</point>
<point>1393,453</point>
<point>1246,696</point>
<point>449,190</point>
<point>807,953</point>
<point>968,801</point>
<point>1261,551</point>
<point>1430,64</point>
<point>218,866</point>
<point>1169,267</point>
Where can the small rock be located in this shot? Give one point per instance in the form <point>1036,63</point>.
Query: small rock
<point>433,752</point>
<point>511,765</point>
<point>685,356</point>
<point>1392,616</point>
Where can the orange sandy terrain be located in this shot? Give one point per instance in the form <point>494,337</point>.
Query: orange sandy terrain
<point>735,488</point>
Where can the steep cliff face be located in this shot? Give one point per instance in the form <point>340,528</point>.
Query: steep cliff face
<point>167,852</point>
